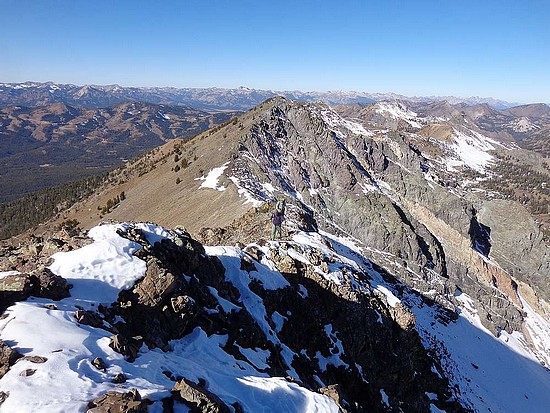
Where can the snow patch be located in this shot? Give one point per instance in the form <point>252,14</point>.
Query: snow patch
<point>211,179</point>
<point>397,111</point>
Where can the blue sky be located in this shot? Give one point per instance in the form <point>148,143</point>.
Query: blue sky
<point>463,48</point>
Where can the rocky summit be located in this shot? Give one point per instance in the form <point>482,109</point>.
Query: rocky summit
<point>411,275</point>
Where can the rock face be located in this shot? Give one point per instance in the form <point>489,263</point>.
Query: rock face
<point>516,239</point>
<point>377,185</point>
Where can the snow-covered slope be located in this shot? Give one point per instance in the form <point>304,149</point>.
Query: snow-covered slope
<point>67,380</point>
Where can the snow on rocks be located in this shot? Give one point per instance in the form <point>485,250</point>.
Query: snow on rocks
<point>336,122</point>
<point>99,271</point>
<point>397,111</point>
<point>272,292</point>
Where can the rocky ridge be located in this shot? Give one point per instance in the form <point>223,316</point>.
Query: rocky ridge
<point>347,339</point>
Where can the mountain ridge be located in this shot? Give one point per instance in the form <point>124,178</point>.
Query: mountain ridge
<point>386,205</point>
<point>242,98</point>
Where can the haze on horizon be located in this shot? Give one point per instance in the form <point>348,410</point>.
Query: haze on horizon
<point>496,49</point>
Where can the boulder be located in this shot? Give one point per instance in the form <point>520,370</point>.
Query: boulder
<point>126,346</point>
<point>116,402</point>
<point>13,288</point>
<point>88,318</point>
<point>8,358</point>
<point>119,378</point>
<point>51,286</point>
<point>27,372</point>
<point>196,396</point>
<point>99,363</point>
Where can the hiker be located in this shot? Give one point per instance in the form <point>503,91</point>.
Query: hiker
<point>277,219</point>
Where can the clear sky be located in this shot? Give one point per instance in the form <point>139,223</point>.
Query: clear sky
<point>484,48</point>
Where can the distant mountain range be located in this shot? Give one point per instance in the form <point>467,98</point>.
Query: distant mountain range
<point>52,133</point>
<point>93,96</point>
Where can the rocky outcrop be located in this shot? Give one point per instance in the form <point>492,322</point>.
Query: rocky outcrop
<point>161,306</point>
<point>341,338</point>
<point>198,398</point>
<point>116,402</point>
<point>345,307</point>
<point>39,283</point>
<point>8,357</point>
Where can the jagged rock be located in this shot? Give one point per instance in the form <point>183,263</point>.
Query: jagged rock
<point>156,286</point>
<point>183,304</point>
<point>116,402</point>
<point>403,317</point>
<point>52,286</point>
<point>119,378</point>
<point>50,306</point>
<point>284,263</point>
<point>198,397</point>
<point>3,396</point>
<point>8,357</point>
<point>89,318</point>
<point>128,347</point>
<point>99,363</point>
<point>159,307</point>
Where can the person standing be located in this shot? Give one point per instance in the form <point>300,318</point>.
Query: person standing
<point>277,219</point>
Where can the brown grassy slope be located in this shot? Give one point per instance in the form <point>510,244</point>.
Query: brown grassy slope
<point>152,194</point>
